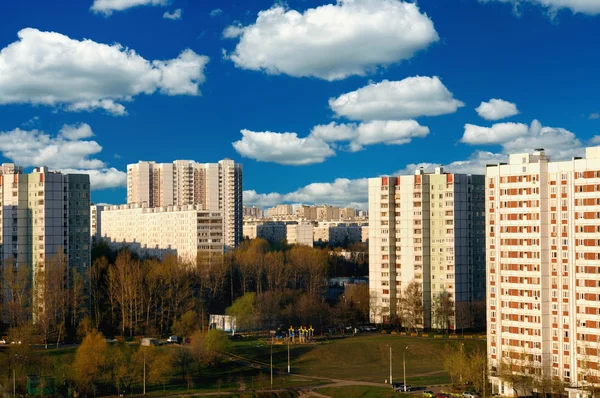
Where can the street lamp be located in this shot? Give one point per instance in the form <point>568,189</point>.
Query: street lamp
<point>390,364</point>
<point>288,354</point>
<point>144,371</point>
<point>404,365</point>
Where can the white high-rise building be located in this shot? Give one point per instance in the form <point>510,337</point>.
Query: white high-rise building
<point>428,228</point>
<point>180,230</point>
<point>543,270</point>
<point>215,186</point>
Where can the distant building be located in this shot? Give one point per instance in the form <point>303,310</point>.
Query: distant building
<point>217,187</point>
<point>180,230</point>
<point>270,231</point>
<point>337,234</point>
<point>300,234</point>
<point>96,222</point>
<point>328,213</point>
<point>254,212</point>
<point>305,212</point>
<point>280,211</point>
<point>364,234</point>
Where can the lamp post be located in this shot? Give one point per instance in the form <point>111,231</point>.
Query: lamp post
<point>288,355</point>
<point>404,365</point>
<point>271,361</point>
<point>390,365</point>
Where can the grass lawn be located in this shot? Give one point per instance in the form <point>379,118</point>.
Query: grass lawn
<point>359,392</point>
<point>362,358</point>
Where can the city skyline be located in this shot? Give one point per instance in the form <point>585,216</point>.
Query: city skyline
<point>187,70</point>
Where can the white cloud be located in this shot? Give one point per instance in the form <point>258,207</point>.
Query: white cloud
<point>76,132</point>
<point>282,148</point>
<point>175,15</point>
<point>496,109</point>
<point>594,141</point>
<point>392,132</point>
<point>405,99</point>
<point>102,178</point>
<point>591,7</point>
<point>48,68</point>
<point>333,41</point>
<point>475,164</point>
<point>497,134</point>
<point>594,116</point>
<point>107,7</point>
<point>289,149</point>
<point>341,192</point>
<point>68,152</point>
<point>558,142</point>
<point>215,12</point>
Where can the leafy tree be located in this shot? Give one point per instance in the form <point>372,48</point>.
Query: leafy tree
<point>412,305</point>
<point>90,359</point>
<point>185,326</point>
<point>442,310</point>
<point>244,311</point>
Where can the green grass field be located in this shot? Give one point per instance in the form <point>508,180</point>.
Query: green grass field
<point>359,392</point>
<point>364,358</point>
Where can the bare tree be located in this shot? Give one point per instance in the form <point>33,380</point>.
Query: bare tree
<point>16,284</point>
<point>412,303</point>
<point>442,310</point>
<point>275,271</point>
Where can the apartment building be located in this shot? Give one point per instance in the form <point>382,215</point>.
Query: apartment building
<point>347,213</point>
<point>271,231</point>
<point>156,231</point>
<point>543,254</point>
<point>337,234</point>
<point>280,211</point>
<point>300,234</point>
<point>305,212</point>
<point>429,228</point>
<point>96,222</point>
<point>44,213</point>
<point>328,213</point>
<point>217,187</point>
<point>253,212</point>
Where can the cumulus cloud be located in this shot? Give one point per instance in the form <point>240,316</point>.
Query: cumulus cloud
<point>68,151</point>
<point>48,68</point>
<point>497,134</point>
<point>475,164</point>
<point>496,109</point>
<point>107,7</point>
<point>392,132</point>
<point>341,192</point>
<point>282,148</point>
<point>289,149</point>
<point>333,41</point>
<point>590,7</point>
<point>405,99</point>
<point>175,15</point>
<point>594,116</point>
<point>215,12</point>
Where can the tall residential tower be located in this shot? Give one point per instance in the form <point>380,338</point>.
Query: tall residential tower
<point>215,186</point>
<point>428,228</point>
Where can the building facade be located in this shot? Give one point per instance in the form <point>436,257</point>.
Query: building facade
<point>337,234</point>
<point>96,222</point>
<point>253,212</point>
<point>180,230</point>
<point>217,187</point>
<point>428,228</point>
<point>300,234</point>
<point>271,231</point>
<point>280,211</point>
<point>543,254</point>
<point>44,213</point>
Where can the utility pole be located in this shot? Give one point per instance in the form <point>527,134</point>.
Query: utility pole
<point>144,371</point>
<point>271,362</point>
<point>289,355</point>
<point>483,384</point>
<point>404,365</point>
<point>15,383</point>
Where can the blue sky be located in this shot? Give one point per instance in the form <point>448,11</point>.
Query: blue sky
<point>369,87</point>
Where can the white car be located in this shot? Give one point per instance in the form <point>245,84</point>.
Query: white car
<point>469,395</point>
<point>173,340</point>
<point>2,341</point>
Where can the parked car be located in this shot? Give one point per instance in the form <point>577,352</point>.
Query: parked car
<point>16,342</point>
<point>441,395</point>
<point>173,340</point>
<point>2,341</point>
<point>467,394</point>
<point>428,394</point>
<point>398,387</point>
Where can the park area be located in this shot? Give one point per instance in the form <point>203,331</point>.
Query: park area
<point>346,367</point>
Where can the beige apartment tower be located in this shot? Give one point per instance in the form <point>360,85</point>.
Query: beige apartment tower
<point>428,228</point>
<point>543,270</point>
<point>217,187</point>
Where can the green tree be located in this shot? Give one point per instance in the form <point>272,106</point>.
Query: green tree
<point>186,324</point>
<point>244,311</point>
<point>215,344</point>
<point>89,362</point>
